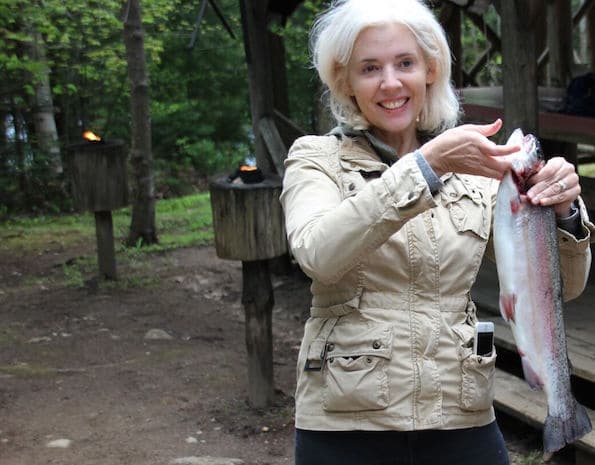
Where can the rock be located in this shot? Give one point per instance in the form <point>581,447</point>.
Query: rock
<point>157,335</point>
<point>59,444</point>
<point>206,460</point>
<point>191,440</point>
<point>37,340</point>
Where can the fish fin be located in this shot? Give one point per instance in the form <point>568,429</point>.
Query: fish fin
<point>507,305</point>
<point>557,432</point>
<point>515,205</point>
<point>531,376</point>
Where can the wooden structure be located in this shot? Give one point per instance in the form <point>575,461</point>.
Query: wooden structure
<point>248,224</point>
<point>99,184</point>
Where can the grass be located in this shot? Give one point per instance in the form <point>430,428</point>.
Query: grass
<point>180,222</point>
<point>588,169</point>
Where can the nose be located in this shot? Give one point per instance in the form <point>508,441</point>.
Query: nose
<point>390,78</point>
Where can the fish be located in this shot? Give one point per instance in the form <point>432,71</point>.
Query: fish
<point>528,267</point>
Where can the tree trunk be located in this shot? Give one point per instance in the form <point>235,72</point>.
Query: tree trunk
<point>43,105</point>
<point>142,226</point>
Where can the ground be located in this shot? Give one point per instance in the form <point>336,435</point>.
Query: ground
<point>76,365</point>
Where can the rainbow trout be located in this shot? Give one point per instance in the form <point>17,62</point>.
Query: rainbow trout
<point>528,263</point>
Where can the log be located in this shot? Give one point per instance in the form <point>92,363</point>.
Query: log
<point>248,219</point>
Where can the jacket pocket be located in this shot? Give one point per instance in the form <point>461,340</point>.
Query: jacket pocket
<point>477,388</point>
<point>477,373</point>
<point>466,207</point>
<point>356,370</point>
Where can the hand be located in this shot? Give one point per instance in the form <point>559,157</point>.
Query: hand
<point>555,184</point>
<point>467,149</point>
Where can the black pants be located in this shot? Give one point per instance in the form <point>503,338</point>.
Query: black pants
<point>471,446</point>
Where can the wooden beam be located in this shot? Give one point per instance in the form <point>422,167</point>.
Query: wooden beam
<point>591,33</point>
<point>288,129</point>
<point>585,9</point>
<point>273,142</point>
<point>450,18</point>
<point>260,80</point>
<point>559,40</point>
<point>519,66</point>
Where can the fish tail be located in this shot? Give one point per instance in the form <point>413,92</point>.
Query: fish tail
<point>557,431</point>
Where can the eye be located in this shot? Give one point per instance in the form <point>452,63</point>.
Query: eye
<point>407,63</point>
<point>369,68</point>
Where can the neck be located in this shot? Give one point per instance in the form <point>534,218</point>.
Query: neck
<point>401,143</point>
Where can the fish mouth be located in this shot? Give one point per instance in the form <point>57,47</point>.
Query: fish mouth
<point>531,144</point>
<point>393,104</point>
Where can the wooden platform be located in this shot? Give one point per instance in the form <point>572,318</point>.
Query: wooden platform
<point>513,395</point>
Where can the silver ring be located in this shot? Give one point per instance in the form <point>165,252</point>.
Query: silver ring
<point>562,185</point>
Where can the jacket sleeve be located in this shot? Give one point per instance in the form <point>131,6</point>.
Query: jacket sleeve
<point>328,234</point>
<point>575,256</point>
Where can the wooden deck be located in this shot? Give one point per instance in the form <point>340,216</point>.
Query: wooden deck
<point>513,395</point>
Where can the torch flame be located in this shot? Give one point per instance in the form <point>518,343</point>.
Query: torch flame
<point>248,168</point>
<point>90,135</point>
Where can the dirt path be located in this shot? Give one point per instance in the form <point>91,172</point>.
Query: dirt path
<point>77,369</point>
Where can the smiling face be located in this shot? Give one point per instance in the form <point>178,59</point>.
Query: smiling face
<point>387,75</point>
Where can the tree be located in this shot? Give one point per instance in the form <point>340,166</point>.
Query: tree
<point>142,226</point>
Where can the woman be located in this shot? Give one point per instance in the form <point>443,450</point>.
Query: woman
<point>390,215</point>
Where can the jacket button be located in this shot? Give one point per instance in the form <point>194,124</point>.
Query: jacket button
<point>351,186</point>
<point>377,344</point>
<point>330,347</point>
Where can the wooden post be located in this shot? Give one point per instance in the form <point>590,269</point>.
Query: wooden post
<point>249,226</point>
<point>450,18</point>
<point>591,33</point>
<point>258,301</point>
<point>559,42</point>
<point>519,66</point>
<point>106,254</point>
<point>260,81</point>
<point>99,184</point>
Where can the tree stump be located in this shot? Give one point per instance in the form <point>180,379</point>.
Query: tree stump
<point>100,185</point>
<point>249,226</point>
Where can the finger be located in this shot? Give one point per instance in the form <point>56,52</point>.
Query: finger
<point>567,196</point>
<point>484,129</point>
<point>502,150</point>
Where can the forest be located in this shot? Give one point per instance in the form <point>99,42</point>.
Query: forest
<point>64,70</point>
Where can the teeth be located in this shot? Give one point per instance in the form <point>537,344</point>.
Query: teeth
<point>394,104</point>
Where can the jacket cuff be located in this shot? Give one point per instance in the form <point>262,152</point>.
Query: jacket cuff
<point>434,182</point>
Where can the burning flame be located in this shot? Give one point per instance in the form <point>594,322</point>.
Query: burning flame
<point>248,168</point>
<point>90,135</point>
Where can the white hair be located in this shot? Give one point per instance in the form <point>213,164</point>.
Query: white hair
<point>331,43</point>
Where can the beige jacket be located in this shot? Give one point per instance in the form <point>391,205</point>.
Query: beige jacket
<point>387,345</point>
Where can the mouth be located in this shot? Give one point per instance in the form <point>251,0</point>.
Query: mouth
<point>393,104</point>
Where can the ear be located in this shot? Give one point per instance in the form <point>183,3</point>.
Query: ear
<point>431,73</point>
